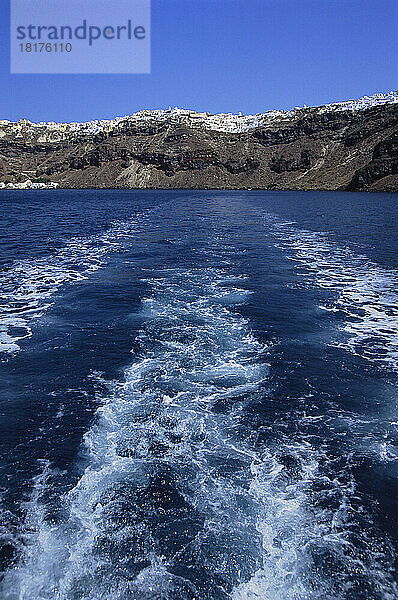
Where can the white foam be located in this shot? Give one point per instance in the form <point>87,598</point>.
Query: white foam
<point>28,286</point>
<point>364,293</point>
<point>201,354</point>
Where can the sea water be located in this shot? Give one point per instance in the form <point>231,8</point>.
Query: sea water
<point>198,395</point>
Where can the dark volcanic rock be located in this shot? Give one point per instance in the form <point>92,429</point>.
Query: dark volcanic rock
<point>287,162</point>
<point>384,163</point>
<point>304,149</point>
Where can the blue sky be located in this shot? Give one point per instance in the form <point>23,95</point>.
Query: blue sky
<point>226,56</point>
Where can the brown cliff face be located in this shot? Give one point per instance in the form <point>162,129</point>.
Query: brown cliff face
<point>306,150</point>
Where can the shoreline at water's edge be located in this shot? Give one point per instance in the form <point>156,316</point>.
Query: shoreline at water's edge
<point>210,189</point>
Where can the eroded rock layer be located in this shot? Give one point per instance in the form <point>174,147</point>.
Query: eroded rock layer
<point>309,148</point>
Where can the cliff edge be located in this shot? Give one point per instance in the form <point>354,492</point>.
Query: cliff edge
<point>344,146</point>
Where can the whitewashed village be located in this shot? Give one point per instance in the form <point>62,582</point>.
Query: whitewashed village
<point>28,185</point>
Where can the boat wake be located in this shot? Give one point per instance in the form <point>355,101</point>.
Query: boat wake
<point>27,286</point>
<point>362,292</point>
<point>179,498</point>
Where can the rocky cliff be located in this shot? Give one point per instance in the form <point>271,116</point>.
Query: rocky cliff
<point>330,148</point>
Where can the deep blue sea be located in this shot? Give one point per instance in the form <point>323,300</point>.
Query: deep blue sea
<point>198,395</point>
